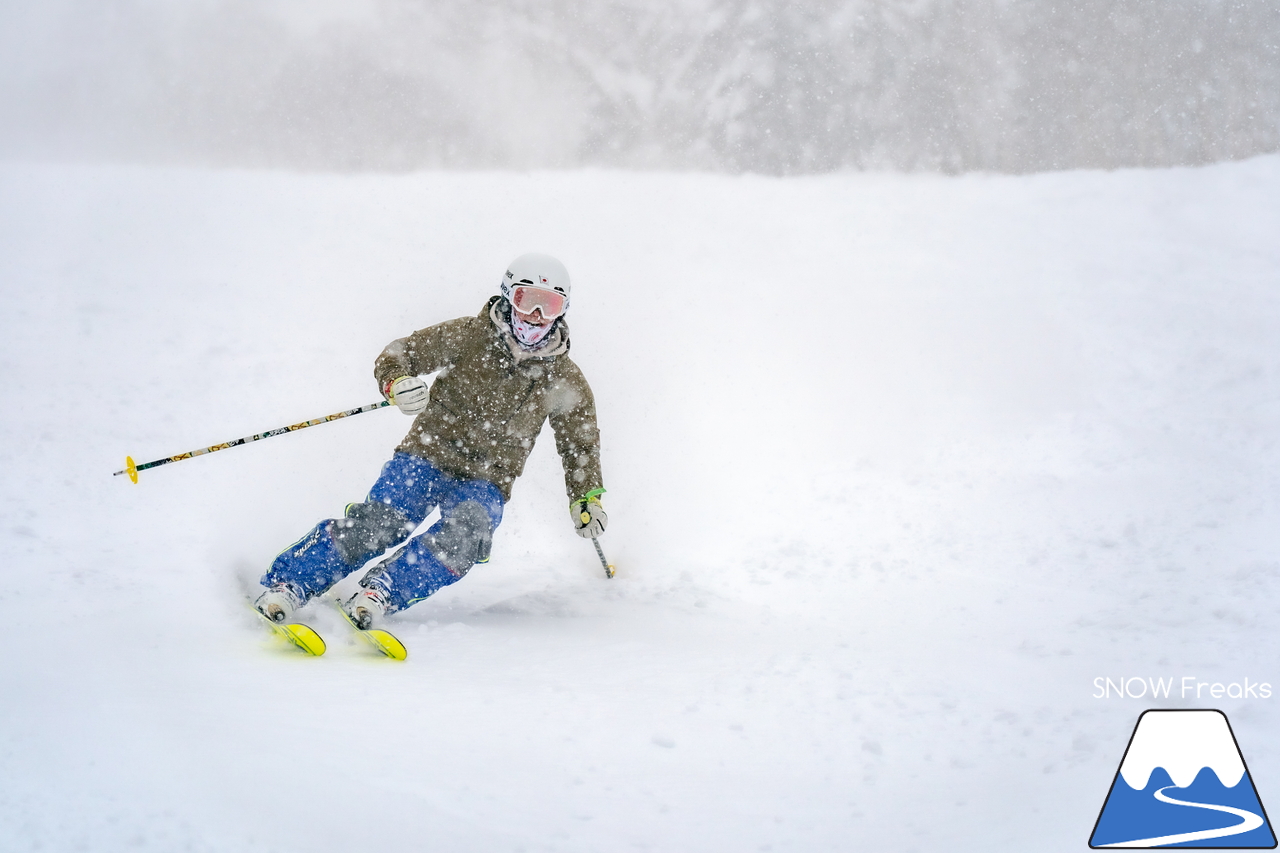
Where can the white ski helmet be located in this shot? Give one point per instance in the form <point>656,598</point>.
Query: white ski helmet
<point>536,270</point>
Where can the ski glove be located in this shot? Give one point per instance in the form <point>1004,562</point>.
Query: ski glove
<point>408,392</point>
<point>589,519</point>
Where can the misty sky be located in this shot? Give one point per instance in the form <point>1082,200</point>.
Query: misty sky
<point>722,85</point>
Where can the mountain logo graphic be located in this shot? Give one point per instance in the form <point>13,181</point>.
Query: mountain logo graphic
<point>1183,783</point>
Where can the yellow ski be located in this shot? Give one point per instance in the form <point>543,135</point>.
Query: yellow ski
<point>302,636</point>
<point>381,640</point>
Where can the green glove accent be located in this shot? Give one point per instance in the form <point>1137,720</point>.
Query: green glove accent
<point>589,518</point>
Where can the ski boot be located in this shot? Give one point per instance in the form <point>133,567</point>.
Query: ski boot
<point>368,604</point>
<point>279,602</point>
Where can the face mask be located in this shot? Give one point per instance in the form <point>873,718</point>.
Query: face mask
<point>528,334</point>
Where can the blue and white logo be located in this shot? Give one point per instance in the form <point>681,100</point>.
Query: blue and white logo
<point>1183,783</point>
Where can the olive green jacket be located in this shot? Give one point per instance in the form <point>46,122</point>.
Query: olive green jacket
<point>491,398</point>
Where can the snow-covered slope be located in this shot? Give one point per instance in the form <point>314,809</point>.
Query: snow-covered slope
<point>897,467</point>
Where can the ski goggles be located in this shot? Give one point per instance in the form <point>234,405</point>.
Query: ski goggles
<point>526,298</point>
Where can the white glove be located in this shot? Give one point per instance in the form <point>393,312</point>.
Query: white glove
<point>589,519</point>
<point>409,393</point>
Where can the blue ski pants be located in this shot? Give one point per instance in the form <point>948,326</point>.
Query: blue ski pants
<point>407,491</point>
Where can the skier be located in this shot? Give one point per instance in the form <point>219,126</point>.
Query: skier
<point>502,374</point>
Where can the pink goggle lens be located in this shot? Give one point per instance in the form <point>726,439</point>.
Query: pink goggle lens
<point>526,299</point>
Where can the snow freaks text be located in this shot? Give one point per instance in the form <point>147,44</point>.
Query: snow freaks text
<point>1186,687</point>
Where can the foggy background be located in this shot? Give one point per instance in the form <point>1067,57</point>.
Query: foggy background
<point>722,85</point>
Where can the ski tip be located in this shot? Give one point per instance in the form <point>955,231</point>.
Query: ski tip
<point>305,638</point>
<point>301,636</point>
<point>387,644</point>
<point>383,641</point>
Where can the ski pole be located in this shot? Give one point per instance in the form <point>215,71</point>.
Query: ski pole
<point>608,569</point>
<point>132,470</point>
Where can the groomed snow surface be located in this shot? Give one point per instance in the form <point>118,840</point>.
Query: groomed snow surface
<point>897,466</point>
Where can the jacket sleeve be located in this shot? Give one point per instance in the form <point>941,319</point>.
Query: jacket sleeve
<point>573,418</point>
<point>425,351</point>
